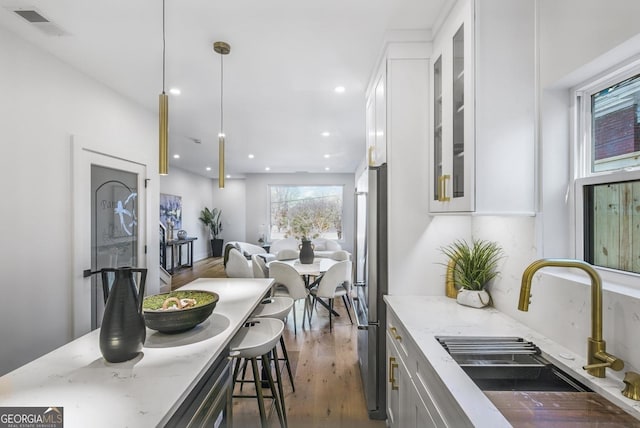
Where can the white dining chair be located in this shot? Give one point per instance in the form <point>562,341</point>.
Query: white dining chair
<point>287,254</point>
<point>237,265</point>
<point>260,269</point>
<point>334,283</point>
<point>340,255</point>
<point>289,282</point>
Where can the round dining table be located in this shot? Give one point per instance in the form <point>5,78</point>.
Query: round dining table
<point>307,270</point>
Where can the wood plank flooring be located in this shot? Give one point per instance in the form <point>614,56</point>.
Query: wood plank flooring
<point>326,373</point>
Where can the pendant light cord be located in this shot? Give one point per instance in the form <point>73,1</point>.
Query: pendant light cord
<point>221,94</point>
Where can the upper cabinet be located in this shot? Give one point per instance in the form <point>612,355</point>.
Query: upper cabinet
<point>377,120</point>
<point>452,177</point>
<point>482,91</point>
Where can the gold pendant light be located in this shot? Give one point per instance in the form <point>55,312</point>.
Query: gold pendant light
<point>222,48</point>
<point>163,162</point>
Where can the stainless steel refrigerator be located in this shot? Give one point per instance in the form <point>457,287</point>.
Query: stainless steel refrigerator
<point>371,284</point>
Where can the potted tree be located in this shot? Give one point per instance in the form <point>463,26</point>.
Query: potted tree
<point>211,219</point>
<point>469,270</point>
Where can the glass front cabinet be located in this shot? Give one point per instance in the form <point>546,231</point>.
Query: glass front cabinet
<point>452,142</point>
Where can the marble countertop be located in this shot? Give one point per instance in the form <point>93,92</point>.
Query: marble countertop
<point>145,391</point>
<point>427,316</point>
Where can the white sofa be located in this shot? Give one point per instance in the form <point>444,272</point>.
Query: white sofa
<point>247,250</point>
<point>321,247</point>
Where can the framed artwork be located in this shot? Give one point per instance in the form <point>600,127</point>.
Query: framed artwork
<point>171,210</point>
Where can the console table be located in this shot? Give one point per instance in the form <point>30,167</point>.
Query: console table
<point>177,244</point>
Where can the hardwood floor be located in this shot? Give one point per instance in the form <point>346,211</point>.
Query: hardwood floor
<point>325,365</point>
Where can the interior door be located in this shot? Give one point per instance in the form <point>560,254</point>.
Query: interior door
<point>109,226</point>
<point>114,227</point>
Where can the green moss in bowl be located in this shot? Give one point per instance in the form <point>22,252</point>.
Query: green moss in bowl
<point>178,320</point>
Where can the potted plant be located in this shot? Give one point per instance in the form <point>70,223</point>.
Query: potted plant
<point>211,219</point>
<point>470,268</point>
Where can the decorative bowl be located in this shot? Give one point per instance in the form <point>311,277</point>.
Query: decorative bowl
<point>178,320</point>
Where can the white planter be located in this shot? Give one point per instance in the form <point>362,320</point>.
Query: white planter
<point>473,298</point>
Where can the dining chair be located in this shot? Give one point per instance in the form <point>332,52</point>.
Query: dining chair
<point>334,283</point>
<point>287,254</point>
<point>260,269</point>
<point>340,255</point>
<point>237,265</point>
<point>289,282</point>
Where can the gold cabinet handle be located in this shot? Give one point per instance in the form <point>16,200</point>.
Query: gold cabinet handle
<point>392,378</point>
<point>396,336</point>
<point>442,187</point>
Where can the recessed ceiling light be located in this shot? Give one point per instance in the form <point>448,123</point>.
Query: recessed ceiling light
<point>250,156</point>
<point>176,156</point>
<point>327,156</point>
<point>228,175</point>
<point>326,168</point>
<point>208,168</point>
<point>267,169</point>
<point>326,134</point>
<point>339,89</point>
<point>174,91</point>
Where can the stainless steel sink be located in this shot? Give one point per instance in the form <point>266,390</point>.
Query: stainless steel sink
<point>507,364</point>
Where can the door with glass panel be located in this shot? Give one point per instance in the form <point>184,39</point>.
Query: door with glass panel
<point>109,227</point>
<point>114,227</point>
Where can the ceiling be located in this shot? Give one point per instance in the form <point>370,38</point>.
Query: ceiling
<point>287,56</point>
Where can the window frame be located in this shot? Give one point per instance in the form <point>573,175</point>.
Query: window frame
<point>582,158</point>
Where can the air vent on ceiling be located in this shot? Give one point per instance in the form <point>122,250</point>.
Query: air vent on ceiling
<point>40,22</point>
<point>31,16</point>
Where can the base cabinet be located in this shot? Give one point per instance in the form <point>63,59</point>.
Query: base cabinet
<point>416,397</point>
<point>400,392</point>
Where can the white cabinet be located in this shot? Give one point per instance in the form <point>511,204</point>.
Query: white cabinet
<point>400,393</point>
<point>416,396</point>
<point>377,120</point>
<point>452,141</point>
<point>482,138</point>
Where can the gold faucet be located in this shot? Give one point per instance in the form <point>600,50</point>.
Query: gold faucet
<point>597,357</point>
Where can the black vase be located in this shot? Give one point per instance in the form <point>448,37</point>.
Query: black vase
<point>123,331</point>
<point>306,252</point>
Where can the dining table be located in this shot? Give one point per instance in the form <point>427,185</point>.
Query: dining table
<point>311,270</point>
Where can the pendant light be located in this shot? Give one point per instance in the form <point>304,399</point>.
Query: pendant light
<point>163,162</point>
<point>222,48</point>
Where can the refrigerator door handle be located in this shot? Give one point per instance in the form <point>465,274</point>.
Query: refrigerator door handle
<point>361,326</point>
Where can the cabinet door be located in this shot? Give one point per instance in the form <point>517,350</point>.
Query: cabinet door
<point>376,117</point>
<point>400,390</point>
<point>371,130</point>
<point>453,118</point>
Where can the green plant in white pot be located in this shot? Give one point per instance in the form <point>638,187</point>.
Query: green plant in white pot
<point>471,267</point>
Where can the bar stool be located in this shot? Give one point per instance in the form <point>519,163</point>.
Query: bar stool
<point>258,338</point>
<point>277,307</point>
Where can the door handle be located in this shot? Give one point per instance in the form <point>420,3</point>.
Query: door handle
<point>361,326</point>
<point>442,188</point>
<point>395,334</point>
<point>392,378</point>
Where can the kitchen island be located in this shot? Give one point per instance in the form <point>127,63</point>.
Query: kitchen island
<point>444,391</point>
<point>145,391</point>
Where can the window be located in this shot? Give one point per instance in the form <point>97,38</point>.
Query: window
<point>311,211</point>
<point>608,171</point>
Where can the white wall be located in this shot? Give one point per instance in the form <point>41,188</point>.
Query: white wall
<point>196,192</point>
<point>233,200</point>
<point>43,103</point>
<point>257,209</point>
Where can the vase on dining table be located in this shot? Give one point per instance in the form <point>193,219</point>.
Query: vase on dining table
<point>306,252</point>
